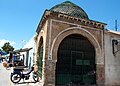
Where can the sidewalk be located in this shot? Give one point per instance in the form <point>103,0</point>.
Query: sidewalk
<point>5,78</point>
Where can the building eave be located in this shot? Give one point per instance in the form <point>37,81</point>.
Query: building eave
<point>86,22</point>
<point>114,32</point>
<point>23,50</point>
<point>43,19</point>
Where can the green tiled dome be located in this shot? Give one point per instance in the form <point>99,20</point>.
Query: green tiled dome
<point>70,9</point>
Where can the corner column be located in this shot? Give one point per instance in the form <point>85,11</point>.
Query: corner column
<point>48,77</point>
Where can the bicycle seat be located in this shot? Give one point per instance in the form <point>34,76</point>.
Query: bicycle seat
<point>19,68</point>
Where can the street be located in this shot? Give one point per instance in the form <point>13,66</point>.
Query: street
<point>5,78</point>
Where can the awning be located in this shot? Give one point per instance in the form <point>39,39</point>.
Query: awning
<point>3,53</point>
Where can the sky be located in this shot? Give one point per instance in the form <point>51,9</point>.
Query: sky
<point>19,18</point>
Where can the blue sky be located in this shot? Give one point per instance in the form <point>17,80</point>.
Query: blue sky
<point>19,18</point>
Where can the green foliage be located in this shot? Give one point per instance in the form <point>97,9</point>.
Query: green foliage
<point>7,47</point>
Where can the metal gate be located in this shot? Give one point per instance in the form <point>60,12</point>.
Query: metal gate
<point>76,62</point>
<point>40,61</point>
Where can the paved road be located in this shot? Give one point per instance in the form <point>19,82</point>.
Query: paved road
<point>5,79</point>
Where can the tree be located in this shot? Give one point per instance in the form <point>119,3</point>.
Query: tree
<point>7,47</point>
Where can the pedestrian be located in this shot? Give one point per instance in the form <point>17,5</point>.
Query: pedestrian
<point>10,58</point>
<point>0,58</point>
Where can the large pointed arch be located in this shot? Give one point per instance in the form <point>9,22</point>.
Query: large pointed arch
<point>80,31</point>
<point>75,61</point>
<point>75,30</point>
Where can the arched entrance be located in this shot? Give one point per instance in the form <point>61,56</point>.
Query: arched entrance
<point>75,61</point>
<point>40,63</point>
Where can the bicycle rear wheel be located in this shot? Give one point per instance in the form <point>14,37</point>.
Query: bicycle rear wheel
<point>15,78</point>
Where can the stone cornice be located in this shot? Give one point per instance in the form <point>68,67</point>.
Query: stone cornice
<point>43,19</point>
<point>85,22</point>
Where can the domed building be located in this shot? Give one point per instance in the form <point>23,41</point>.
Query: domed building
<point>73,50</point>
<point>70,9</point>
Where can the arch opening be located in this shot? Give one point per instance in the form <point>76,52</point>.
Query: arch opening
<point>40,58</point>
<point>75,61</point>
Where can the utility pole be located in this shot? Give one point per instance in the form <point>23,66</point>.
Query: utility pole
<point>116,28</point>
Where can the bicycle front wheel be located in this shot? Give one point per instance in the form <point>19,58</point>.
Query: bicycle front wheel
<point>35,77</point>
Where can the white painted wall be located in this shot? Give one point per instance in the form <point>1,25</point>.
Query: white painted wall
<point>112,63</point>
<point>30,44</point>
